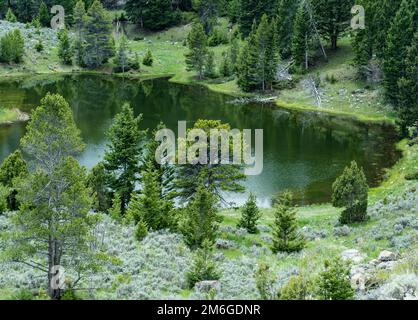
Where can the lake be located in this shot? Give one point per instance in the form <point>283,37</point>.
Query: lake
<point>303,152</point>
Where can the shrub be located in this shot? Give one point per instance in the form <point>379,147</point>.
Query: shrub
<point>204,267</point>
<point>349,191</point>
<point>141,230</point>
<point>334,281</point>
<point>250,215</point>
<point>330,78</point>
<point>39,46</point>
<point>297,288</point>
<point>265,281</point>
<point>12,47</point>
<point>148,59</point>
<point>23,294</point>
<point>10,16</point>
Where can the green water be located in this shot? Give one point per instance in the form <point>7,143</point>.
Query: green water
<point>302,152</point>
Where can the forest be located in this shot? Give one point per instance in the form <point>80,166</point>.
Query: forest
<point>87,210</point>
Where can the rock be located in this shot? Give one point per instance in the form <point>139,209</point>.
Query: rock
<point>358,281</point>
<point>208,285</point>
<point>341,92</point>
<point>353,255</point>
<point>386,255</point>
<point>387,265</point>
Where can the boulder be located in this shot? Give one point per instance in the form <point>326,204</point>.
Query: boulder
<point>352,255</point>
<point>386,255</point>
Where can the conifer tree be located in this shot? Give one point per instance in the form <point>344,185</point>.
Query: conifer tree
<point>123,152</point>
<point>286,237</point>
<point>247,63</point>
<point>10,16</point>
<point>408,89</point>
<point>97,181</point>
<point>349,191</point>
<point>251,11</point>
<point>12,47</point>
<point>80,19</point>
<point>65,51</point>
<point>208,12</point>
<point>334,281</point>
<point>13,167</point>
<point>200,220</point>
<point>301,37</point>
<point>210,65</point>
<point>44,17</point>
<point>122,62</point>
<point>399,38</point>
<point>198,50</point>
<point>148,59</point>
<point>285,16</point>
<point>98,46</point>
<point>250,214</point>
<point>204,266</point>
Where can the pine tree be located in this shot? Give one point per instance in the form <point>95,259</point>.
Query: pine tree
<point>210,65</point>
<point>408,89</point>
<point>349,191</point>
<point>13,167</point>
<point>247,63</point>
<point>10,16</point>
<point>26,10</point>
<point>200,221</point>
<point>226,69</point>
<point>121,60</point>
<point>44,17</point>
<point>334,281</point>
<point>198,51</point>
<point>54,211</point>
<point>250,214</point>
<point>251,11</point>
<point>65,51</point>
<point>204,266</point>
<point>286,237</point>
<point>208,12</point>
<point>399,38</point>
<point>301,37</point>
<point>264,281</point>
<point>148,59</point>
<point>80,19</point>
<point>285,16</point>
<point>97,181</point>
<point>332,18</point>
<point>216,177</point>
<point>98,46</point>
<point>148,206</point>
<point>123,152</point>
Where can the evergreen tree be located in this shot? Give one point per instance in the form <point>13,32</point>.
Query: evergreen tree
<point>301,37</point>
<point>247,63</point>
<point>65,51</point>
<point>12,47</point>
<point>98,46</point>
<point>408,89</point>
<point>332,18</point>
<point>216,177</point>
<point>141,230</point>
<point>123,152</point>
<point>54,211</point>
<point>13,167</point>
<point>208,12</point>
<point>44,17</point>
<point>121,61</point>
<point>399,38</point>
<point>200,221</point>
<point>226,69</point>
<point>97,181</point>
<point>79,18</point>
<point>10,16</point>
<point>198,50</point>
<point>250,214</point>
<point>210,65</point>
<point>334,281</point>
<point>204,265</point>
<point>251,11</point>
<point>285,16</point>
<point>286,237</point>
<point>264,280</point>
<point>149,207</point>
<point>349,191</point>
<point>148,59</point>
<point>26,10</point>
<point>151,14</point>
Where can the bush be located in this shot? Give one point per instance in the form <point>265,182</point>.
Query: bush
<point>265,281</point>
<point>12,47</point>
<point>204,267</point>
<point>334,281</point>
<point>23,294</point>
<point>10,16</point>
<point>350,191</point>
<point>148,59</point>
<point>141,230</point>
<point>330,78</point>
<point>297,288</point>
<point>39,46</point>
